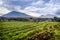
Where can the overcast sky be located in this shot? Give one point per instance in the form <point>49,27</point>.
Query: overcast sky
<point>33,7</point>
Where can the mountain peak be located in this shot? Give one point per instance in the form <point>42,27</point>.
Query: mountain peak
<point>16,14</point>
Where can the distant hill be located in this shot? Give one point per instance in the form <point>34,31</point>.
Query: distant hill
<point>15,14</point>
<point>47,16</point>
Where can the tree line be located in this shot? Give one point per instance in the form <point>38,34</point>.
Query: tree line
<point>30,19</point>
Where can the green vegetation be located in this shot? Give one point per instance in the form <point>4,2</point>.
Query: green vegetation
<point>25,30</point>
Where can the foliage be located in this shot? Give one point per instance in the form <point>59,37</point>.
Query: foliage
<point>25,30</point>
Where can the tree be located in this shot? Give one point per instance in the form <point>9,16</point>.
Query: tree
<point>56,19</point>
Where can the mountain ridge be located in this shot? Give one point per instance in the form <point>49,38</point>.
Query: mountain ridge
<point>16,14</point>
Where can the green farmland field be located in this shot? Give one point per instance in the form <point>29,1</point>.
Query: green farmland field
<point>24,30</point>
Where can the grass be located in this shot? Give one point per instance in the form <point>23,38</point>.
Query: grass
<point>23,30</point>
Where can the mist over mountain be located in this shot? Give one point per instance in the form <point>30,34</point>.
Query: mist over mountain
<point>47,16</point>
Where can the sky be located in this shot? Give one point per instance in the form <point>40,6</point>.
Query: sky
<point>31,7</point>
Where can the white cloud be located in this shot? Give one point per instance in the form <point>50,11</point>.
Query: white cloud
<point>38,2</point>
<point>32,10</point>
<point>50,8</point>
<point>3,11</point>
<point>1,2</point>
<point>30,13</point>
<point>33,14</point>
<point>36,8</point>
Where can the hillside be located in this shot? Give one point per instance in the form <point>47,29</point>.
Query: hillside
<point>15,14</point>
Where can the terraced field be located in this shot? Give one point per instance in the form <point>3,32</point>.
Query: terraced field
<point>27,30</point>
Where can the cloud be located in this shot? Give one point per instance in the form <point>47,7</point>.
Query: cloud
<point>58,12</point>
<point>19,5</point>
<point>47,8</point>
<point>1,2</point>
<point>34,14</point>
<point>22,3</point>
<point>39,4</point>
<point>46,1</point>
<point>56,1</point>
<point>39,7</point>
<point>3,11</point>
